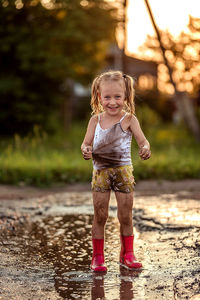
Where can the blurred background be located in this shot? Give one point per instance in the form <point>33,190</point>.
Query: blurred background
<point>50,51</point>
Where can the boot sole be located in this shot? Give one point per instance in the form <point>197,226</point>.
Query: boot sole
<point>99,270</point>
<point>133,268</point>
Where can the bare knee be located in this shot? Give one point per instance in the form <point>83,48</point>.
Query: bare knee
<point>100,214</point>
<point>124,214</point>
<point>125,206</point>
<point>125,218</point>
<point>101,204</point>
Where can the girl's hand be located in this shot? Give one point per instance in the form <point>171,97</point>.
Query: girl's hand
<point>145,152</point>
<point>87,152</point>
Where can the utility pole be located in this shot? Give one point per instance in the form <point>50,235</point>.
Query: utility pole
<point>182,102</point>
<point>124,35</point>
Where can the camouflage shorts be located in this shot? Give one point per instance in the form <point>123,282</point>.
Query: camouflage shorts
<point>118,179</point>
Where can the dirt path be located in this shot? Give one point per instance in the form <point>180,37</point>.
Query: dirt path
<point>45,244</point>
<point>145,187</point>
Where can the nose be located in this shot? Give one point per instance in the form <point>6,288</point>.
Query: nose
<point>112,100</point>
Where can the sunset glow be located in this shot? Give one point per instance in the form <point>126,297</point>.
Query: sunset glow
<point>172,15</point>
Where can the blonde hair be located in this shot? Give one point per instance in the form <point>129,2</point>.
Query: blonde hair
<point>115,76</point>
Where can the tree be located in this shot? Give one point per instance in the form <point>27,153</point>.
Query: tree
<point>180,59</point>
<point>41,45</point>
<point>183,54</point>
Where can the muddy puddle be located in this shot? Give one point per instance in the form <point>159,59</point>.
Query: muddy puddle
<point>48,255</point>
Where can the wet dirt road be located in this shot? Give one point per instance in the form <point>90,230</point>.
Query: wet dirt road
<point>45,245</point>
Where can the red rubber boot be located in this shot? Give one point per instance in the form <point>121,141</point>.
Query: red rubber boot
<point>97,264</point>
<point>127,257</point>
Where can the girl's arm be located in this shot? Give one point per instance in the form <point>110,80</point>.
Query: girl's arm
<point>86,146</point>
<point>143,144</point>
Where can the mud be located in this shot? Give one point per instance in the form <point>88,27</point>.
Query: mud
<point>45,244</point>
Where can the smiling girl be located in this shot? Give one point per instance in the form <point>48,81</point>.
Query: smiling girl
<point>108,143</point>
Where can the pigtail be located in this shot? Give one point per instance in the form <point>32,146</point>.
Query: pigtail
<point>95,103</point>
<point>130,93</point>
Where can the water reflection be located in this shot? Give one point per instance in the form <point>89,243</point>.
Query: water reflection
<point>126,283</point>
<point>65,242</point>
<point>123,289</point>
<point>97,290</point>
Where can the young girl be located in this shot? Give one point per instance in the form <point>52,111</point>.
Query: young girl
<point>108,143</point>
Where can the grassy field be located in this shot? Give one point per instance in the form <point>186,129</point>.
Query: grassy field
<point>43,160</point>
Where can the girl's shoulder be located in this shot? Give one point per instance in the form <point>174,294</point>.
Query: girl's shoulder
<point>130,121</point>
<point>130,117</point>
<point>126,121</point>
<point>93,120</point>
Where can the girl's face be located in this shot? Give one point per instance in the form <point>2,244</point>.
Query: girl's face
<point>112,96</point>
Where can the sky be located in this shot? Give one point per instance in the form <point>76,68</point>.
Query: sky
<point>169,14</point>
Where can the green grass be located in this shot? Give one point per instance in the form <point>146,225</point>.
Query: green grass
<point>42,160</point>
<point>174,155</point>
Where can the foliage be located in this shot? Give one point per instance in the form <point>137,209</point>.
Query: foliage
<point>183,54</point>
<point>146,116</point>
<point>41,45</point>
<point>41,160</point>
<point>158,104</point>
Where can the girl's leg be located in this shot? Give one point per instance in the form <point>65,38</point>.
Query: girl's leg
<point>101,205</point>
<point>125,207</point>
<point>124,212</point>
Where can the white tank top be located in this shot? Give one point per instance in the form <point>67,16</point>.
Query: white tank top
<point>111,146</point>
